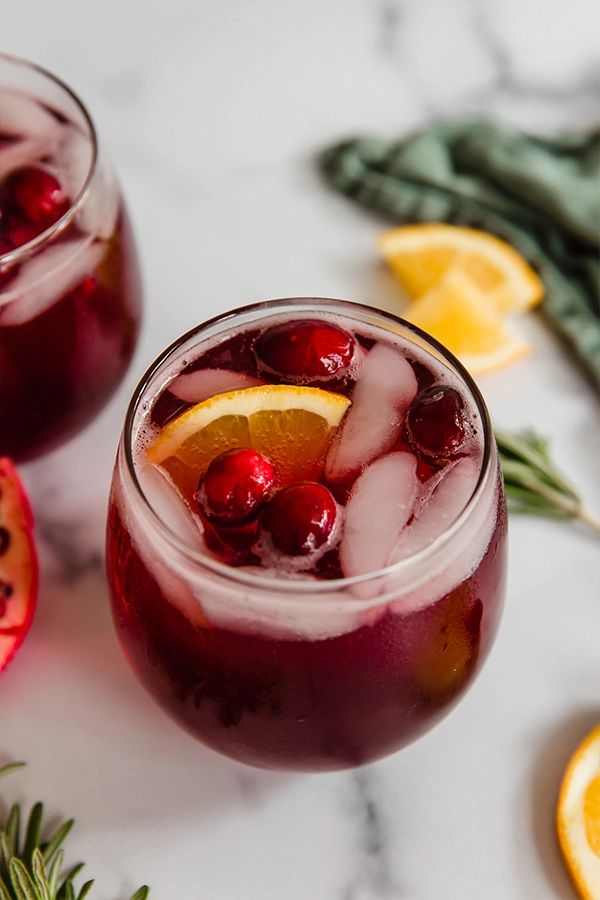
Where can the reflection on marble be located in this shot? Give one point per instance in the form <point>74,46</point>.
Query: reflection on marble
<point>213,114</point>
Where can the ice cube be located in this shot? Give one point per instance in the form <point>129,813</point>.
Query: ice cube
<point>379,507</point>
<point>171,509</point>
<point>15,154</point>
<point>436,513</point>
<point>74,156</point>
<point>46,277</point>
<point>381,397</point>
<point>195,387</point>
<point>21,115</point>
<point>99,213</point>
<point>168,505</point>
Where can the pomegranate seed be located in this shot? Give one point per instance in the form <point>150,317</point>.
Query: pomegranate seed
<point>4,540</point>
<point>235,486</point>
<point>300,518</point>
<point>305,350</point>
<point>36,195</point>
<point>435,423</point>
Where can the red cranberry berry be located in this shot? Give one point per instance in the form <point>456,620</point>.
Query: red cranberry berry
<point>19,231</point>
<point>235,486</point>
<point>300,518</point>
<point>435,422</point>
<point>232,544</point>
<point>35,195</point>
<point>304,350</point>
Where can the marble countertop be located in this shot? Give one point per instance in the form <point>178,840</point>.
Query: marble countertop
<point>213,113</point>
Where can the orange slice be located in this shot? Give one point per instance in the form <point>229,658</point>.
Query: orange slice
<point>468,323</point>
<point>291,425</point>
<point>578,816</point>
<point>421,256</point>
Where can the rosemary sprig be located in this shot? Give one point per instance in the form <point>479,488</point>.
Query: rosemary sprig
<point>31,868</point>
<point>532,482</point>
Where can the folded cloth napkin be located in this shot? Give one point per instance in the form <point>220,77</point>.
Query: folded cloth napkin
<point>540,194</point>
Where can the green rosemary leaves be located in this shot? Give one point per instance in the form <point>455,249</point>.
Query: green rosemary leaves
<point>532,482</point>
<point>30,866</point>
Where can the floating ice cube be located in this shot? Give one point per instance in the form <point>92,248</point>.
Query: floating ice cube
<point>168,505</point>
<point>46,277</point>
<point>16,154</point>
<point>74,155</point>
<point>379,507</point>
<point>436,512</point>
<point>23,115</point>
<point>100,210</point>
<point>195,387</point>
<point>379,403</point>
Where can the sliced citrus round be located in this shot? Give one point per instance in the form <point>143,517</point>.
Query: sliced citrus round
<point>578,816</point>
<point>18,563</point>
<point>292,426</point>
<point>422,255</point>
<point>468,323</point>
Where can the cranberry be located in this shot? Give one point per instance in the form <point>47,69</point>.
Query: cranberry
<point>36,195</point>
<point>304,350</point>
<point>300,518</point>
<point>232,544</point>
<point>235,486</point>
<point>19,231</point>
<point>435,422</point>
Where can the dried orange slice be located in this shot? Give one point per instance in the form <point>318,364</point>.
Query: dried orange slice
<point>422,255</point>
<point>578,816</point>
<point>291,425</point>
<point>468,323</point>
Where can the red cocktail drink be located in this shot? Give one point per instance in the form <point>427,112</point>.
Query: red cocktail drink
<point>315,622</point>
<point>69,279</point>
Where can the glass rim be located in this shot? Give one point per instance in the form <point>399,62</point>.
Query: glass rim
<point>292,585</point>
<point>19,253</point>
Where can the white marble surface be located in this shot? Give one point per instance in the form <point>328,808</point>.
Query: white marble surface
<point>212,112</point>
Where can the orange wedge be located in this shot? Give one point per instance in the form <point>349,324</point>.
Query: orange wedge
<point>468,323</point>
<point>291,425</point>
<point>421,256</point>
<point>578,816</point>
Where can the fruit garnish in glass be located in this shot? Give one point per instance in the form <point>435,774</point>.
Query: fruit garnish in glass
<point>69,279</point>
<point>306,533</point>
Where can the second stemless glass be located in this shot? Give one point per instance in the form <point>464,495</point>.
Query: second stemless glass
<point>70,293</point>
<point>303,675</point>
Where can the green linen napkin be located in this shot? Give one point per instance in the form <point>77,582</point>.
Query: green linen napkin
<point>540,194</point>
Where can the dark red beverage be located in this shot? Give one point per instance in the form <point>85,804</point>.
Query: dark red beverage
<point>279,638</point>
<point>69,279</point>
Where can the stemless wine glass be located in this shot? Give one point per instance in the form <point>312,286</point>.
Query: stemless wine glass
<point>70,288</point>
<point>300,674</point>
